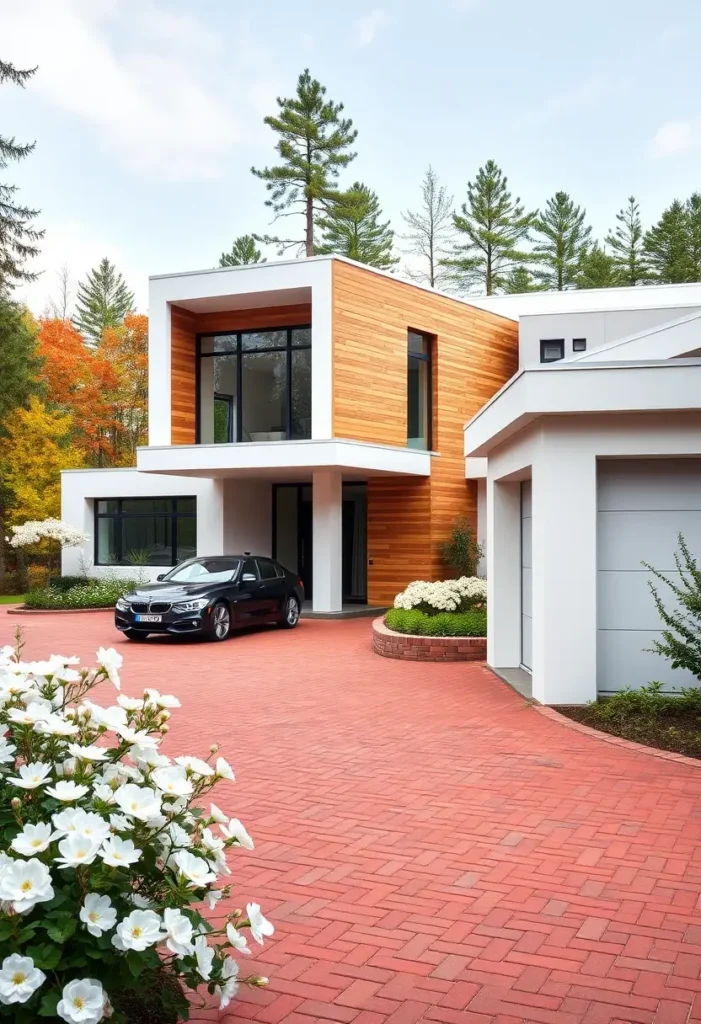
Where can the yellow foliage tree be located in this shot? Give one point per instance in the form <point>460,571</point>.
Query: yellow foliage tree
<point>36,448</point>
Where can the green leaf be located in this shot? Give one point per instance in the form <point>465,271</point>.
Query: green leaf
<point>61,930</point>
<point>28,932</point>
<point>6,930</point>
<point>135,962</point>
<point>45,957</point>
<point>47,1007</point>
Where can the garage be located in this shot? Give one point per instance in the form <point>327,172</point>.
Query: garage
<point>642,505</point>
<point>526,576</point>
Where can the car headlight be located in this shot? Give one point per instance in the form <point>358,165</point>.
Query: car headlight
<point>191,606</point>
<point>123,605</point>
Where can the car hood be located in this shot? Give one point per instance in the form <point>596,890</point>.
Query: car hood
<point>171,591</point>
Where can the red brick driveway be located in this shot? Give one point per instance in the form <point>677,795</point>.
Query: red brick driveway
<point>427,846</point>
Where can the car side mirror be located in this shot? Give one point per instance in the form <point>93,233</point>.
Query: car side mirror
<point>248,577</point>
<point>161,576</point>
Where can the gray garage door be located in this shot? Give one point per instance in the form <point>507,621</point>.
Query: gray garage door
<point>526,584</point>
<point>642,505</point>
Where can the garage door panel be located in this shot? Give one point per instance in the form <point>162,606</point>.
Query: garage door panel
<point>626,539</point>
<point>623,660</point>
<point>526,543</point>
<point>672,484</point>
<point>527,591</point>
<point>624,600</point>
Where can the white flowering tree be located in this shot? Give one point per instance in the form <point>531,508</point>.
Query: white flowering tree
<point>109,860</point>
<point>34,531</point>
<point>444,596</point>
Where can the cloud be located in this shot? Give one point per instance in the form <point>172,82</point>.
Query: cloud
<point>142,77</point>
<point>365,29</point>
<point>675,138</point>
<point>579,97</point>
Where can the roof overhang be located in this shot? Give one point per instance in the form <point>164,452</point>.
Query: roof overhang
<point>284,460</point>
<point>581,388</point>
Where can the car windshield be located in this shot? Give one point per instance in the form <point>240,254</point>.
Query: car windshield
<point>204,570</point>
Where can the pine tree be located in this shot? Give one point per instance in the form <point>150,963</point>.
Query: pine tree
<point>667,246</point>
<point>521,280</point>
<point>431,231</point>
<point>353,229</point>
<point>597,269</point>
<point>693,215</point>
<point>103,300</point>
<point>564,239</point>
<point>493,225</point>
<point>314,145</point>
<point>626,244</point>
<point>243,251</point>
<point>18,237</point>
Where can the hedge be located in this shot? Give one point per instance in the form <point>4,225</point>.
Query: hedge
<point>417,623</point>
<point>88,594</point>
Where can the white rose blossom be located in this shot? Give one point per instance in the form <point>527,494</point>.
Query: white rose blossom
<point>137,801</point>
<point>260,927</point>
<point>118,853</point>
<point>141,929</point>
<point>97,914</point>
<point>223,770</point>
<point>24,884</point>
<point>67,791</point>
<point>82,1002</point>
<point>33,839</point>
<point>197,871</point>
<point>204,954</point>
<point>19,979</point>
<point>178,929</point>
<point>111,662</point>
<point>77,850</point>
<point>235,830</point>
<point>443,596</point>
<point>229,974</point>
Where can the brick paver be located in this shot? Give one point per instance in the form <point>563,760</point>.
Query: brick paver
<point>428,846</point>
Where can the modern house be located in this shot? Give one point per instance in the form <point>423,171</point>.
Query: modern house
<point>588,464</point>
<point>311,410</point>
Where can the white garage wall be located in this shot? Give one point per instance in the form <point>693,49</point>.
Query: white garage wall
<point>526,575</point>
<point>643,505</point>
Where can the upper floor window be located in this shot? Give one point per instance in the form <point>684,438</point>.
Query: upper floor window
<point>419,391</point>
<point>145,531</point>
<point>552,349</point>
<point>579,344</point>
<point>255,386</point>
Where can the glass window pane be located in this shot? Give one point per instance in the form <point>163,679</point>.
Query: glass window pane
<point>187,537</point>
<point>264,396</point>
<point>263,339</point>
<point>249,568</point>
<point>218,343</point>
<point>417,409</point>
<point>302,394</point>
<point>418,343</point>
<point>186,504</point>
<point>110,505</point>
<point>106,541</point>
<point>147,540</point>
<point>217,390</point>
<point>286,526</point>
<point>301,336</point>
<point>147,506</point>
<point>266,569</point>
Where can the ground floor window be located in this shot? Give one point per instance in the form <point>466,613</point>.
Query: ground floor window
<point>145,531</point>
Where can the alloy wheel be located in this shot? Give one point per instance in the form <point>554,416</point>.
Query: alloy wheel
<point>292,611</point>
<point>222,621</point>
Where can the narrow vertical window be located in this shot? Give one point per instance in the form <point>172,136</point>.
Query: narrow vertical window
<point>419,391</point>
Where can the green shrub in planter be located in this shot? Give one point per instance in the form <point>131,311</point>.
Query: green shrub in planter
<point>418,623</point>
<point>101,593</point>
<point>64,583</point>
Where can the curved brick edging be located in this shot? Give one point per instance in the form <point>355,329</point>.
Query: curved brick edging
<point>617,741</point>
<point>18,609</point>
<point>407,647</point>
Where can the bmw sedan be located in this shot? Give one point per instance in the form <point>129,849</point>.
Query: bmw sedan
<point>210,597</point>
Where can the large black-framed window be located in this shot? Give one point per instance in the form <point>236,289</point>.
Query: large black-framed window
<point>419,406</point>
<point>552,349</point>
<point>145,531</point>
<point>254,385</point>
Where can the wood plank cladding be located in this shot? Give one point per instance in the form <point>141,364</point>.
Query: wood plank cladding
<point>184,328</point>
<point>473,354</point>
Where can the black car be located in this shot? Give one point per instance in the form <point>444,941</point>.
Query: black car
<point>212,596</point>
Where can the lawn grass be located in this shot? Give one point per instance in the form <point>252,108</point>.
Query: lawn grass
<point>12,598</point>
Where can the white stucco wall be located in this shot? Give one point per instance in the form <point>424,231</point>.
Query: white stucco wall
<point>559,454</point>
<point>247,516</point>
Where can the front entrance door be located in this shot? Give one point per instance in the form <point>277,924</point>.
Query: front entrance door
<point>293,536</point>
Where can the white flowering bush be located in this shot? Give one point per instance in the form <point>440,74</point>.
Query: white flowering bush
<point>445,596</point>
<point>109,860</point>
<point>34,531</point>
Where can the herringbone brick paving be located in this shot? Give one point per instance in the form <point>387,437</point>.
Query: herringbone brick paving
<point>428,847</point>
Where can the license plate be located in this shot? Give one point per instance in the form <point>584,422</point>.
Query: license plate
<point>149,618</point>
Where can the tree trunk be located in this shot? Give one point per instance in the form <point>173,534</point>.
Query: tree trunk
<point>309,242</point>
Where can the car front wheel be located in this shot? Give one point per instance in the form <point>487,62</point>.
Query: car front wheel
<point>220,622</point>
<point>290,615</point>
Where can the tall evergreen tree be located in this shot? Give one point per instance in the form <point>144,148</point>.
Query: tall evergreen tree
<point>314,144</point>
<point>18,236</point>
<point>693,216</point>
<point>521,280</point>
<point>597,269</point>
<point>243,251</point>
<point>492,226</point>
<point>562,239</point>
<point>354,229</point>
<point>103,300</point>
<point>430,231</point>
<point>667,246</point>
<point>626,244</point>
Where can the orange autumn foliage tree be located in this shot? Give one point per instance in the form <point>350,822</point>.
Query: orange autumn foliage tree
<point>125,349</point>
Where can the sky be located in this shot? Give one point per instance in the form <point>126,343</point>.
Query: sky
<point>148,114</point>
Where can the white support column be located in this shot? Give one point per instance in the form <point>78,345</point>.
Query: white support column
<point>210,521</point>
<point>504,574</point>
<point>564,574</point>
<point>327,505</point>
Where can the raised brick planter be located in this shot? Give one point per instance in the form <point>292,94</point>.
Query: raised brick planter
<point>406,647</point>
